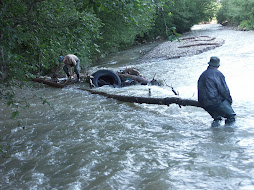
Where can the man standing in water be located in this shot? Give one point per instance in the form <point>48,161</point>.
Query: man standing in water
<point>69,61</point>
<point>214,95</point>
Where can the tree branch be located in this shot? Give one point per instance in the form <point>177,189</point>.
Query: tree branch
<point>133,99</point>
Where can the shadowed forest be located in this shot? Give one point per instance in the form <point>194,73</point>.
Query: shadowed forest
<point>34,33</point>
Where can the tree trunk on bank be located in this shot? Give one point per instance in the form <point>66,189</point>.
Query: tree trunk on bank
<point>3,68</point>
<point>200,44</point>
<point>133,99</point>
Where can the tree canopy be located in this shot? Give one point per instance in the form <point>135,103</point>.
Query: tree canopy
<point>33,33</point>
<point>237,12</point>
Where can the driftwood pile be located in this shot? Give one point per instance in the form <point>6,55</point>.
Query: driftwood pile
<point>134,74</point>
<point>187,46</point>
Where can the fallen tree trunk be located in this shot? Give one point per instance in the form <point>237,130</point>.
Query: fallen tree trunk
<point>54,84</point>
<point>204,40</point>
<point>200,44</point>
<point>147,100</point>
<point>133,77</point>
<point>197,38</point>
<point>132,99</point>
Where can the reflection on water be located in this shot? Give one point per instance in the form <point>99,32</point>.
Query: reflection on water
<point>90,142</point>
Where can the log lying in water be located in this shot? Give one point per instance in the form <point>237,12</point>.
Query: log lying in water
<point>140,79</point>
<point>133,99</point>
<point>50,83</point>
<point>147,100</point>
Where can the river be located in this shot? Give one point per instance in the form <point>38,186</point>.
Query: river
<point>84,141</point>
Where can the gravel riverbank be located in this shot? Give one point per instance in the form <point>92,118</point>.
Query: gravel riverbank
<point>187,46</point>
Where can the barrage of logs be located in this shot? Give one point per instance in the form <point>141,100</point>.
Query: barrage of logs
<point>200,44</point>
<point>203,41</point>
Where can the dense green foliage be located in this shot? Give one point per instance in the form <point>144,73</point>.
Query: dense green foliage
<point>33,33</point>
<point>122,21</point>
<point>183,14</point>
<point>237,12</point>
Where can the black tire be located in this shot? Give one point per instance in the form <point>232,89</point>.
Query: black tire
<point>106,77</point>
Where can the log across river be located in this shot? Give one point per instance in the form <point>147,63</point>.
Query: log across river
<point>135,99</point>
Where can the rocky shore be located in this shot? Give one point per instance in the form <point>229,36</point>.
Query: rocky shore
<point>186,47</point>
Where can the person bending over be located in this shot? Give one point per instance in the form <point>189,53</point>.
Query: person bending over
<point>70,61</point>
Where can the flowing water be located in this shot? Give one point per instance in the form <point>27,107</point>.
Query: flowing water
<point>84,141</point>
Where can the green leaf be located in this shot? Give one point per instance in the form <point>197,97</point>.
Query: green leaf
<point>14,114</point>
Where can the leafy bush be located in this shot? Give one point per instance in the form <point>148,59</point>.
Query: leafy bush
<point>237,12</point>
<point>34,33</point>
<point>182,14</point>
<point>246,25</point>
<point>122,22</point>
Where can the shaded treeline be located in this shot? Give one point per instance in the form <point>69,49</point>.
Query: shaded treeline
<point>33,33</point>
<point>237,13</point>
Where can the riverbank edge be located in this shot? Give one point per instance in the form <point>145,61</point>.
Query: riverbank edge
<point>166,46</point>
<point>186,46</point>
